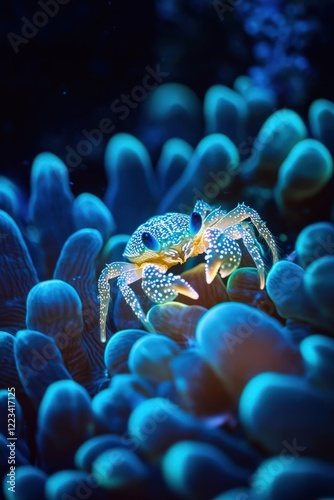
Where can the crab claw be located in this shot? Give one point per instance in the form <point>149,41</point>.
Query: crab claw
<point>183,287</point>
<point>223,255</point>
<point>109,272</point>
<point>161,287</point>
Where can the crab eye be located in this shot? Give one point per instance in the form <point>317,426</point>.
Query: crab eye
<point>195,223</point>
<point>150,242</point>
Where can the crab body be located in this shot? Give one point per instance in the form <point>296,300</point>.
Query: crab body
<point>176,244</point>
<point>166,240</point>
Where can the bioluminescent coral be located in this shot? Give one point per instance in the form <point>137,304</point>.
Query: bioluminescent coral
<point>151,357</point>
<point>202,469</point>
<point>17,279</point>
<point>120,468</point>
<point>291,397</point>
<point>260,103</point>
<point>276,138</point>
<point>30,481</point>
<point>176,320</point>
<point>118,348</point>
<point>321,118</point>
<point>199,390</point>
<point>294,293</point>
<point>176,425</point>
<point>225,113</point>
<point>172,110</point>
<point>54,418</point>
<point>295,480</point>
<point>319,286</point>
<point>132,182</point>
<point>239,341</point>
<point>317,352</point>
<point>174,157</point>
<point>51,207</point>
<point>9,374</point>
<point>90,212</point>
<point>231,394</point>
<point>243,286</point>
<point>39,363</point>
<point>302,175</point>
<point>213,167</point>
<point>313,242</point>
<point>164,241</point>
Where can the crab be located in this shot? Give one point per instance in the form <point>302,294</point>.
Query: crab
<point>166,240</point>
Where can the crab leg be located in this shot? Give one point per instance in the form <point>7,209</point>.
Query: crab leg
<point>223,254</point>
<point>109,272</point>
<point>130,297</point>
<point>242,212</point>
<point>237,232</point>
<point>161,287</point>
<point>212,217</point>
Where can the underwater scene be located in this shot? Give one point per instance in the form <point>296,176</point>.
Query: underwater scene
<point>167,250</point>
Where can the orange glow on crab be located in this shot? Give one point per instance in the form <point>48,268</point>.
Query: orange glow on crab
<point>166,240</point>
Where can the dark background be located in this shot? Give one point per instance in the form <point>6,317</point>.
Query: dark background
<point>65,78</point>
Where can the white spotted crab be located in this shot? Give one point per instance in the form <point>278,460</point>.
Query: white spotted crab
<point>166,240</point>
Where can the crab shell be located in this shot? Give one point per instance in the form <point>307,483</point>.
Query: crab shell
<point>169,239</point>
<point>173,233</point>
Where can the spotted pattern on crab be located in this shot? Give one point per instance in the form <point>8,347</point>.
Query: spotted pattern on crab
<point>223,255</point>
<point>169,229</point>
<point>161,287</point>
<point>166,240</point>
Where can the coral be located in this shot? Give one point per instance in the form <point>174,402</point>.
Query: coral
<point>131,181</point>
<point>303,174</point>
<point>72,421</point>
<point>314,241</point>
<point>172,110</point>
<point>30,482</point>
<point>213,167</point>
<point>9,197</point>
<point>120,469</point>
<point>316,476</point>
<point>199,389</point>
<point>291,397</point>
<point>225,112</point>
<point>39,363</point>
<point>321,119</point>
<point>282,130</point>
<point>239,341</point>
<point>226,389</point>
<point>51,206</point>
<point>18,275</point>
<point>176,320</point>
<point>151,357</point>
<point>318,355</point>
<point>90,212</point>
<point>202,470</point>
<point>174,158</point>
